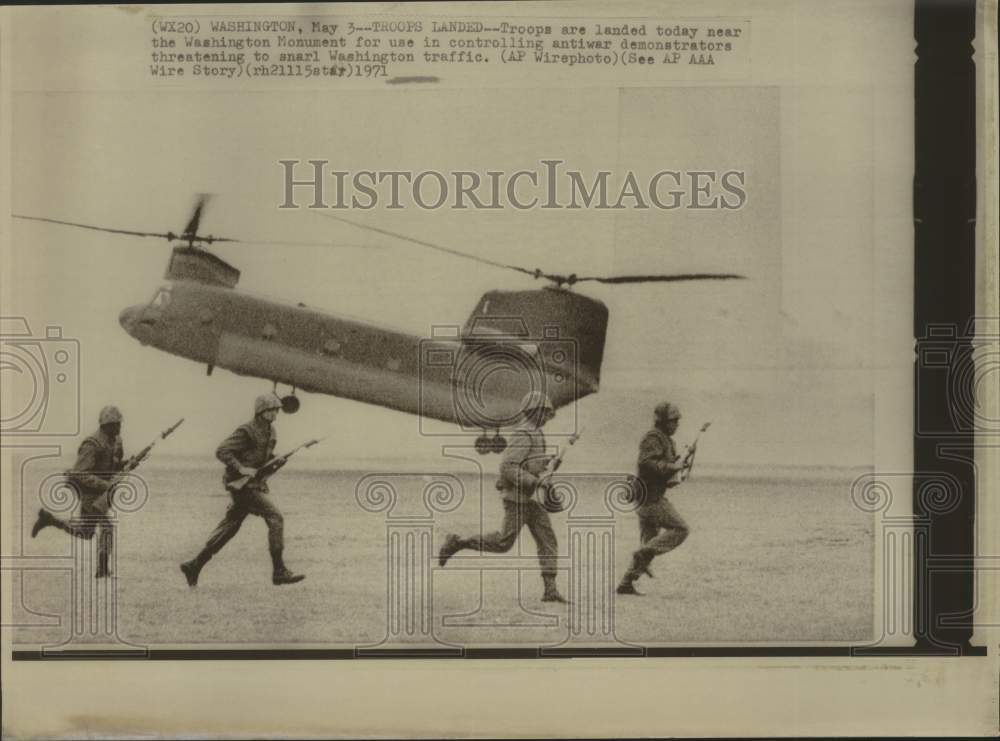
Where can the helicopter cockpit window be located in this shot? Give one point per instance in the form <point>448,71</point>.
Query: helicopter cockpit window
<point>162,298</point>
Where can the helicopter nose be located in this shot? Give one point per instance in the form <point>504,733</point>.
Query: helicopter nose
<point>128,318</point>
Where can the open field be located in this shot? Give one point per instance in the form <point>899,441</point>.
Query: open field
<point>783,560</point>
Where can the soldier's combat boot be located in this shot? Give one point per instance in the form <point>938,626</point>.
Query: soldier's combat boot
<point>627,586</point>
<point>191,571</point>
<point>45,519</point>
<point>640,565</point>
<point>552,591</point>
<point>282,575</point>
<point>286,577</point>
<point>452,545</point>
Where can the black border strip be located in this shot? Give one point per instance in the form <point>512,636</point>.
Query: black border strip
<point>944,210</point>
<point>944,215</point>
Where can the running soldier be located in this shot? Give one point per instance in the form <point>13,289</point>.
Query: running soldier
<point>247,449</point>
<point>661,528</point>
<point>98,461</point>
<point>521,469</point>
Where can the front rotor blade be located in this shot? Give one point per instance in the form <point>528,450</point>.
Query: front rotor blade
<point>168,235</point>
<point>209,239</point>
<point>192,226</point>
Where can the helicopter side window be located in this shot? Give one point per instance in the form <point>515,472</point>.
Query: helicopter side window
<point>162,298</point>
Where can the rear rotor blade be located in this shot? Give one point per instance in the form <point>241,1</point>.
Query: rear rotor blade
<point>676,278</point>
<point>556,278</point>
<point>282,243</point>
<point>438,247</point>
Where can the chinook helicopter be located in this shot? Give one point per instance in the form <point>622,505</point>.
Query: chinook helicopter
<point>476,377</point>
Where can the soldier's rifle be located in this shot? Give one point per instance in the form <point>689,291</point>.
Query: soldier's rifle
<point>688,462</point>
<point>270,468</point>
<point>556,460</point>
<point>133,463</point>
<point>548,501</point>
<point>136,460</point>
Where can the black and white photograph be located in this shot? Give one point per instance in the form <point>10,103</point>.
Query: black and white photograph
<point>473,337</point>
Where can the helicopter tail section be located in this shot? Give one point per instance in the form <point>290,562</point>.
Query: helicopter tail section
<point>559,336</point>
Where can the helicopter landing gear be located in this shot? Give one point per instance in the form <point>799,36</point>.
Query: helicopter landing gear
<point>290,402</point>
<point>485,445</point>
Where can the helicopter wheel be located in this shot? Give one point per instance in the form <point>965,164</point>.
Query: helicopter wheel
<point>484,445</point>
<point>290,404</point>
<point>498,444</point>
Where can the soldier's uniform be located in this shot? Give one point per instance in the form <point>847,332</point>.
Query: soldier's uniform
<point>99,459</point>
<point>523,462</point>
<point>661,528</point>
<point>250,445</point>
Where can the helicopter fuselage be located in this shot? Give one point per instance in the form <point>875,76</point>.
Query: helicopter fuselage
<point>477,375</point>
<point>474,376</point>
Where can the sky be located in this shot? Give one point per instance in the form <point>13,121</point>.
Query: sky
<point>787,364</point>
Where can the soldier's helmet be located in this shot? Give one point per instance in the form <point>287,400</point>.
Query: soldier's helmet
<point>536,400</point>
<point>264,402</point>
<point>666,411</point>
<point>110,415</point>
